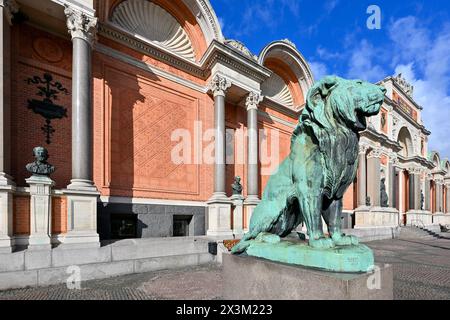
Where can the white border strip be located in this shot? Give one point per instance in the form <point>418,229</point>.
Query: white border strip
<point>126,200</point>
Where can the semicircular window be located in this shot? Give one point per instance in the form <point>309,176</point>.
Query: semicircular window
<point>150,21</point>
<point>277,89</point>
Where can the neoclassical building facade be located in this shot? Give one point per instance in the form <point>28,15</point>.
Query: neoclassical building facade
<point>149,114</point>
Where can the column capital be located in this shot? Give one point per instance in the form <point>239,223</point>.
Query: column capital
<point>11,8</point>
<point>375,153</point>
<point>253,100</point>
<point>219,85</point>
<point>363,148</point>
<point>80,24</point>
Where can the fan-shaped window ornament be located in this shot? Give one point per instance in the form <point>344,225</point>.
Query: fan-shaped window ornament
<point>150,21</point>
<point>277,89</point>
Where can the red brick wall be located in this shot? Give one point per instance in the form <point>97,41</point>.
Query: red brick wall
<point>59,214</point>
<point>21,215</point>
<point>135,113</point>
<point>35,53</point>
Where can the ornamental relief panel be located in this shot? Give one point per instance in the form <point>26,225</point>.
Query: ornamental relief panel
<point>143,118</point>
<point>37,45</point>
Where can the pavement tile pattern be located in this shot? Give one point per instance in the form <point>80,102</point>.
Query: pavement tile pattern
<point>421,271</point>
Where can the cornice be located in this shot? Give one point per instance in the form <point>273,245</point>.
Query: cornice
<point>217,52</point>
<point>381,138</point>
<point>417,159</point>
<point>152,50</point>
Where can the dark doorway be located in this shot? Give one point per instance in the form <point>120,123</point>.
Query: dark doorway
<point>123,226</point>
<point>181,225</point>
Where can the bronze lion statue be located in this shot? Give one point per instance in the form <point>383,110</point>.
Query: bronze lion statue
<point>323,161</point>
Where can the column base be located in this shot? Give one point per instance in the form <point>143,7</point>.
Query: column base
<point>218,196</point>
<point>219,219</point>
<point>82,185</point>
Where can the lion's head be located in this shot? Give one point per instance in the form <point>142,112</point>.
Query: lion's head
<point>334,101</point>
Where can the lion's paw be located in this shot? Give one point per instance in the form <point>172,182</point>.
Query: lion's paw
<point>268,238</point>
<point>321,243</point>
<point>343,240</point>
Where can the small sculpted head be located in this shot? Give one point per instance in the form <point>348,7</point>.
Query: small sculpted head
<point>40,154</point>
<point>334,100</point>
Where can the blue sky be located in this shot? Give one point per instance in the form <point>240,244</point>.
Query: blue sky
<point>333,36</point>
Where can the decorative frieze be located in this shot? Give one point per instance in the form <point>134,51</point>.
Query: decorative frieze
<point>80,24</point>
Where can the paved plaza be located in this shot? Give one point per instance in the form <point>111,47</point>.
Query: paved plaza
<point>421,271</point>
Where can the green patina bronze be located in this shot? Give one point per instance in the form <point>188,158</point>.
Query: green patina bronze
<point>311,182</point>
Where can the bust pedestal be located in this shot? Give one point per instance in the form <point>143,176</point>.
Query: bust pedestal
<point>7,187</point>
<point>41,210</point>
<point>238,215</point>
<point>219,218</point>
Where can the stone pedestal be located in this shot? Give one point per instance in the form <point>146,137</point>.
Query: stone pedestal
<point>442,219</point>
<point>419,218</point>
<point>41,212</point>
<point>219,219</point>
<point>248,278</point>
<point>82,219</point>
<point>7,188</point>
<point>250,205</point>
<point>376,217</point>
<point>238,215</point>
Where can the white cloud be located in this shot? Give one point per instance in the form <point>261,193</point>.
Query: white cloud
<point>362,65</point>
<point>319,70</point>
<point>426,64</point>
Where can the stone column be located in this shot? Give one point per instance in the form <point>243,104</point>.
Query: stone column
<point>82,28</point>
<point>219,206</point>
<point>412,181</point>
<point>252,199</point>
<point>82,194</point>
<point>219,85</point>
<point>40,212</point>
<point>252,103</point>
<point>448,195</point>
<point>373,177</point>
<point>439,197</point>
<point>7,9</point>
<point>427,194</point>
<point>417,190</point>
<point>362,191</point>
<point>392,184</point>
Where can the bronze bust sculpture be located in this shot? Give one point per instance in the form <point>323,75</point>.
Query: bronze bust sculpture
<point>40,166</point>
<point>236,186</point>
